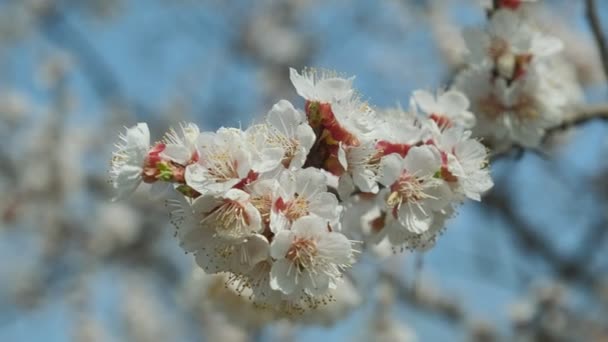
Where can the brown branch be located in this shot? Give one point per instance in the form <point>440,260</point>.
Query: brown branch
<point>583,115</point>
<point>600,39</point>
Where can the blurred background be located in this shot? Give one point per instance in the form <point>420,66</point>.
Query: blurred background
<point>529,263</point>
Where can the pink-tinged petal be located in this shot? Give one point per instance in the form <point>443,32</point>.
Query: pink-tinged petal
<point>254,217</point>
<point>243,163</point>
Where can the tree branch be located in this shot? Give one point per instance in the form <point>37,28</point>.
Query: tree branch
<point>600,39</point>
<point>583,115</point>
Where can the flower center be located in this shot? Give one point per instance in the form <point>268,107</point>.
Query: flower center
<point>302,253</point>
<point>294,209</point>
<point>230,220</point>
<point>407,189</point>
<point>222,167</point>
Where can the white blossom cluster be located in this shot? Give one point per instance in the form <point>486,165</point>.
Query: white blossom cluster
<point>516,81</point>
<point>265,205</point>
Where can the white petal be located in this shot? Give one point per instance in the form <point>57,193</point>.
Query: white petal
<point>306,136</point>
<point>283,276</point>
<point>423,160</point>
<point>414,219</point>
<point>315,284</point>
<point>284,117</point>
<point>392,167</point>
<point>337,247</point>
<point>281,244</point>
<point>176,153</point>
<point>310,181</point>
<point>325,205</point>
<point>426,101</point>
<point>453,102</point>
<point>257,249</point>
<point>304,86</point>
<point>309,226</point>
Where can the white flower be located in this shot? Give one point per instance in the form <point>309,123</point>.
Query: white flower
<point>223,247</point>
<point>397,127</point>
<point>510,45</point>
<point>285,139</point>
<point>216,255</point>
<point>180,147</point>
<point>224,162</point>
<point>353,120</point>
<point>449,108</point>
<point>464,162</point>
<point>128,160</point>
<point>302,193</point>
<point>362,169</point>
<point>309,258</point>
<point>413,192</point>
<point>363,220</point>
<point>518,113</point>
<point>231,216</point>
<point>321,86</point>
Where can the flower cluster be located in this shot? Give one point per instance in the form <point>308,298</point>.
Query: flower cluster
<point>265,205</point>
<point>515,79</point>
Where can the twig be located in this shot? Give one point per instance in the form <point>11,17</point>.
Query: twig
<point>600,39</point>
<point>583,115</point>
